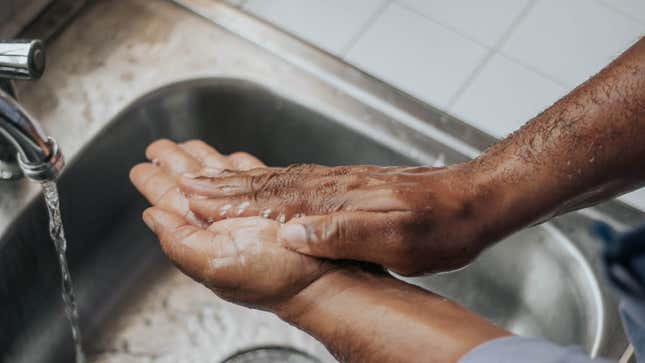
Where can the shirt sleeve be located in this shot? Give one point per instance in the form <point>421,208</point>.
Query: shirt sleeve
<point>526,350</point>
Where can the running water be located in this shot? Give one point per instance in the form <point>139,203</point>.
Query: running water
<point>58,237</point>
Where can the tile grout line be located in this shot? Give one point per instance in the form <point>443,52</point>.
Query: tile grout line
<point>535,70</point>
<point>441,24</point>
<point>370,21</point>
<point>491,52</point>
<point>616,10</point>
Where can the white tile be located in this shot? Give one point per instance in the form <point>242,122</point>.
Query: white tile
<point>416,55</point>
<point>329,24</point>
<point>504,96</point>
<point>484,21</point>
<point>633,8</point>
<point>571,40</point>
<point>636,199</point>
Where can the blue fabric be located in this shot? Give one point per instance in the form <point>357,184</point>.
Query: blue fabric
<point>516,349</point>
<point>624,259</point>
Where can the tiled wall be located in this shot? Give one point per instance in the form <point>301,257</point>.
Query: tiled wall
<point>494,63</point>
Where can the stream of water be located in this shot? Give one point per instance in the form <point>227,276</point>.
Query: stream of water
<point>57,233</point>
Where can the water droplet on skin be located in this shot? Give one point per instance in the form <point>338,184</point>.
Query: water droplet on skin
<point>242,208</point>
<point>247,244</point>
<point>266,213</point>
<point>440,161</point>
<point>224,209</point>
<point>223,262</point>
<point>281,218</point>
<point>195,220</point>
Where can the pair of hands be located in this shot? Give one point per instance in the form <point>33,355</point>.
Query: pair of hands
<point>239,259</point>
<point>221,219</point>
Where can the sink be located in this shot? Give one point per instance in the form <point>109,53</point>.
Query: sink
<point>135,307</point>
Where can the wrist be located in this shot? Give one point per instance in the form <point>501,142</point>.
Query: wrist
<point>359,317</point>
<point>477,207</point>
<point>514,193</point>
<point>316,294</point>
<point>499,206</point>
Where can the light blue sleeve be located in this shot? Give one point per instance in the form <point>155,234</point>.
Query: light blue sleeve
<point>526,350</point>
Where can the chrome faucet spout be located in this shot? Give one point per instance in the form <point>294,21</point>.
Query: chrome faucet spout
<point>24,148</point>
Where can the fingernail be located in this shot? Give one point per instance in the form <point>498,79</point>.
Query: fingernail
<point>293,235</point>
<point>149,220</point>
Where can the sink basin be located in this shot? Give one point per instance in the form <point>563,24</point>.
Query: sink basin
<point>135,307</point>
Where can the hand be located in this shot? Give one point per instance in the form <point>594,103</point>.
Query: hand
<point>409,219</point>
<point>239,259</point>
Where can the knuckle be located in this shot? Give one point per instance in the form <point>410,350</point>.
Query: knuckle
<point>240,155</point>
<point>260,183</point>
<point>194,142</point>
<point>157,145</point>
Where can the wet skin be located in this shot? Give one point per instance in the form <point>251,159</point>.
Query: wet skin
<point>223,229</point>
<point>358,315</point>
<point>584,149</point>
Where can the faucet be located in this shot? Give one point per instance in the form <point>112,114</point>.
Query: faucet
<point>25,150</point>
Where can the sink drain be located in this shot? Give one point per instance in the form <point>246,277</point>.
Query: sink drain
<point>272,354</point>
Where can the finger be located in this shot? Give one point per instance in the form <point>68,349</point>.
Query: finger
<point>161,190</point>
<point>214,184</point>
<point>245,161</point>
<point>380,238</point>
<point>262,179</point>
<point>171,158</point>
<point>158,188</point>
<point>238,206</point>
<point>206,155</point>
<point>201,254</point>
<point>271,181</point>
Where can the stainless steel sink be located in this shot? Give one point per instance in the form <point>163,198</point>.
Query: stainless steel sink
<point>257,89</point>
<point>136,308</point>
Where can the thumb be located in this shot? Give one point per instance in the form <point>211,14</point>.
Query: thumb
<point>377,237</point>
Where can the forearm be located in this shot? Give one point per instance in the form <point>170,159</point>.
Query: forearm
<point>361,317</point>
<point>587,147</point>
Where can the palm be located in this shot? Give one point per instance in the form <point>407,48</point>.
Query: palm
<point>239,259</point>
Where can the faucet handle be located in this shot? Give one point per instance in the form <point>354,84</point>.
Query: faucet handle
<point>21,59</point>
